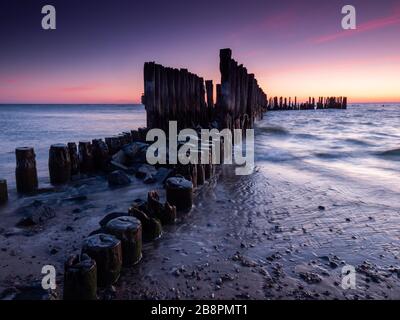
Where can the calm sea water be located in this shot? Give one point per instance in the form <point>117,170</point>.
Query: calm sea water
<point>361,143</point>
<point>40,126</point>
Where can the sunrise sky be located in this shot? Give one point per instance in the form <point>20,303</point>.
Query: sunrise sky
<point>96,55</point>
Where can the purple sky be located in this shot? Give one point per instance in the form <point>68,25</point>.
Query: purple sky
<point>96,55</point>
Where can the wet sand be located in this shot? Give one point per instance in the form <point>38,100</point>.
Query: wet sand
<point>287,238</point>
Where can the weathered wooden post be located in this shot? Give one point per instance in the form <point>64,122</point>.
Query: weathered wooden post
<point>225,67</point>
<point>80,278</point>
<point>106,250</point>
<point>157,94</point>
<point>113,144</point>
<point>101,154</point>
<point>59,164</point>
<point>86,157</point>
<point>149,92</point>
<point>129,231</point>
<point>344,103</point>
<point>210,93</point>
<point>151,226</point>
<point>3,191</point>
<point>179,193</point>
<point>74,157</point>
<point>25,172</point>
<point>201,176</point>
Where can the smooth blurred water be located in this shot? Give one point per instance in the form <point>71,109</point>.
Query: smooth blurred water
<point>359,146</point>
<point>40,126</point>
<point>361,143</point>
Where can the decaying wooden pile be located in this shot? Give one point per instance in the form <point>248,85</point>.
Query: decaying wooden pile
<point>276,104</point>
<point>178,95</point>
<point>175,95</point>
<point>240,100</point>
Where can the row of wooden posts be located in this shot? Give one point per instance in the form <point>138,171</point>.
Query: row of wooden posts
<point>118,242</point>
<point>240,99</point>
<point>179,95</point>
<point>281,103</point>
<point>176,95</point>
<point>68,160</point>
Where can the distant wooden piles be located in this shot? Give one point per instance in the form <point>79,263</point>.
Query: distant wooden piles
<point>281,103</point>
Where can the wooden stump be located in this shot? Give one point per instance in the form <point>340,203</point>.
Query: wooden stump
<point>106,250</point>
<point>169,216</point>
<point>135,135</point>
<point>59,164</point>
<point>129,231</point>
<point>25,172</point>
<point>152,228</point>
<point>86,157</point>
<point>80,278</point>
<point>179,193</point>
<point>73,155</point>
<point>193,174</point>
<point>101,155</point>
<point>154,205</point>
<point>165,213</point>
<point>200,174</point>
<point>3,191</point>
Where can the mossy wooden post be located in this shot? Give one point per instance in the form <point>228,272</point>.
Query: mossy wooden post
<point>25,172</point>
<point>129,231</point>
<point>3,191</point>
<point>86,157</point>
<point>80,278</point>
<point>59,164</point>
<point>106,250</point>
<point>179,193</point>
<point>74,157</point>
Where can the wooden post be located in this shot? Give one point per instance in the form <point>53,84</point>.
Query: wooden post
<point>344,104</point>
<point>149,92</point>
<point>151,226</point>
<point>106,250</point>
<point>201,176</point>
<point>25,172</point>
<point>3,191</point>
<point>225,67</point>
<point>210,93</point>
<point>86,157</point>
<point>179,193</point>
<point>59,164</point>
<point>101,155</point>
<point>129,231</point>
<point>80,278</point>
<point>73,155</point>
<point>157,107</point>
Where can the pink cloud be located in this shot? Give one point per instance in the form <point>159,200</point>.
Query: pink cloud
<point>375,24</point>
